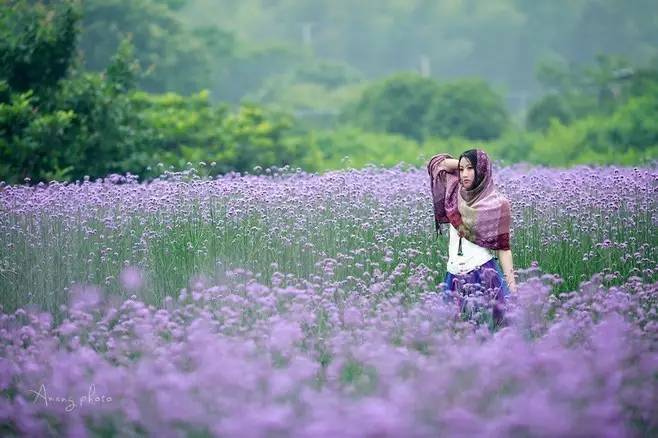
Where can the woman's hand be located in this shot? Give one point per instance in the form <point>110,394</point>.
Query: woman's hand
<point>450,164</point>
<point>511,283</point>
<point>505,257</point>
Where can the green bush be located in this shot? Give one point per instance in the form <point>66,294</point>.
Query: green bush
<point>76,124</point>
<point>551,106</point>
<point>396,105</point>
<point>628,137</point>
<point>314,92</point>
<point>37,44</point>
<point>562,144</point>
<point>633,126</point>
<point>173,56</point>
<point>190,129</point>
<point>419,108</point>
<point>72,124</point>
<point>32,143</point>
<point>352,147</point>
<point>466,108</point>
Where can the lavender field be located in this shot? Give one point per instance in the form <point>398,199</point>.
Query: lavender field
<point>295,304</point>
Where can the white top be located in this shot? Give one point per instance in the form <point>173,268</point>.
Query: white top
<point>473,255</point>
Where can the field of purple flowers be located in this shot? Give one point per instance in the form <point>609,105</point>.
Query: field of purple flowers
<point>289,304</point>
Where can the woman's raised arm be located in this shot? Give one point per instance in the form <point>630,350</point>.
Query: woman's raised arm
<point>449,164</point>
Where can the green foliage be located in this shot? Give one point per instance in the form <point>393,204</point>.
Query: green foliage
<point>312,92</point>
<point>87,128</point>
<point>325,77</point>
<point>57,122</point>
<point>123,70</point>
<point>466,108</point>
<point>453,146</point>
<point>192,130</point>
<point>173,57</point>
<point>556,74</point>
<point>396,105</point>
<point>251,67</point>
<point>310,97</point>
<point>418,108</point>
<point>104,131</point>
<point>32,143</point>
<point>346,146</point>
<point>37,44</point>
<point>644,81</point>
<point>92,124</point>
<point>178,120</point>
<point>629,137</point>
<point>353,147</point>
<point>633,126</point>
<point>551,106</point>
<point>512,147</point>
<point>257,136</point>
<point>174,5</point>
<point>562,143</point>
<point>499,40</point>
<point>602,114</point>
<point>328,74</point>
<point>579,91</point>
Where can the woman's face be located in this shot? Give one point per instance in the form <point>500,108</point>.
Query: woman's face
<point>466,173</point>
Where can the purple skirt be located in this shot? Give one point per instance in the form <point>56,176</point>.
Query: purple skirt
<point>489,275</point>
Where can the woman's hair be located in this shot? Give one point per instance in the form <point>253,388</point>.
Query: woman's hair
<point>472,156</point>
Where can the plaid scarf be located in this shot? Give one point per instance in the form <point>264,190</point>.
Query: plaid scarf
<point>481,214</point>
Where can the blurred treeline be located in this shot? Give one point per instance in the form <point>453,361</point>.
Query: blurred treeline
<point>101,86</point>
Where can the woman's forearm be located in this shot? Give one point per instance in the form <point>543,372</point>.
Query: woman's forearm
<point>450,164</point>
<point>506,263</point>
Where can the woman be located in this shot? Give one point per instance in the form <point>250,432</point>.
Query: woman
<point>464,196</point>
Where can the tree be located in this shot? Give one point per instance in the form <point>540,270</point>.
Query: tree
<point>37,44</point>
<point>551,106</point>
<point>173,56</point>
<point>397,104</point>
<point>466,108</point>
<point>57,121</point>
